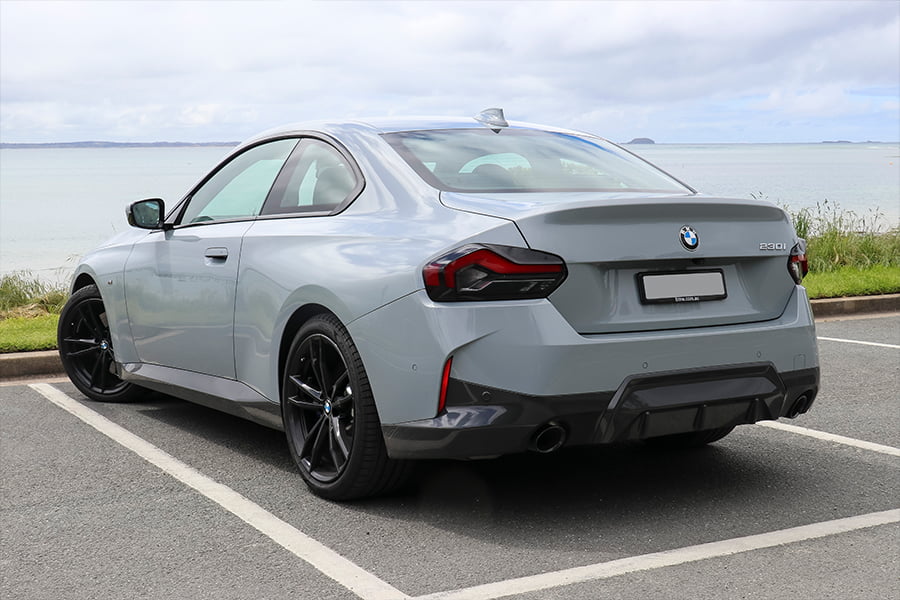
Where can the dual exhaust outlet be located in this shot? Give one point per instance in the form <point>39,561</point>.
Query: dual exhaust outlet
<point>551,436</point>
<point>548,438</point>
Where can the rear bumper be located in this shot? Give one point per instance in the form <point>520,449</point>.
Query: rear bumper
<point>527,348</point>
<point>484,421</point>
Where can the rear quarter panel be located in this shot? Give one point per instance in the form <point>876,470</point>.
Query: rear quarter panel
<point>351,264</point>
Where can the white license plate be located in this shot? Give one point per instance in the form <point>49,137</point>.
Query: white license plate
<point>693,286</point>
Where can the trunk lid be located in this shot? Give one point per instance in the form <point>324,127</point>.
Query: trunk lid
<point>612,241</point>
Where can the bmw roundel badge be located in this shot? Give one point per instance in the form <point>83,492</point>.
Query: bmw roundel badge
<point>689,238</point>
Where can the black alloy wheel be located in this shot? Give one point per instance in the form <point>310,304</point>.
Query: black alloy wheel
<point>86,351</point>
<point>323,406</point>
<point>330,419</point>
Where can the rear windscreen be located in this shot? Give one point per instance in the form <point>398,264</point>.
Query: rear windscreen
<point>525,160</point>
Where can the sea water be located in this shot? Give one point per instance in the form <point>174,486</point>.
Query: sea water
<point>863,178</point>
<point>58,203</point>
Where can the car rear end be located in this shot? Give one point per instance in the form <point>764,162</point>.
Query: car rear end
<point>634,308</point>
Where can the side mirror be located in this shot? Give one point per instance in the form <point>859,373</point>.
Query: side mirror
<point>147,214</point>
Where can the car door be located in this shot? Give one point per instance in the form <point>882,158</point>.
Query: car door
<point>291,254</point>
<point>180,283</point>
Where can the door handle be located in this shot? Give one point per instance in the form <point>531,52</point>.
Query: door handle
<point>220,253</point>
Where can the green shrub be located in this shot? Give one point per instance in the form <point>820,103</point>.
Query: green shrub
<point>837,238</point>
<point>23,294</point>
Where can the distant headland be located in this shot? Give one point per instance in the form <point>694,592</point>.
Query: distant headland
<point>116,144</point>
<point>641,141</point>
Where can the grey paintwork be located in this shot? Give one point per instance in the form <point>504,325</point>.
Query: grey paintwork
<point>530,348</point>
<point>608,239</point>
<point>214,328</point>
<point>180,285</point>
<point>352,264</point>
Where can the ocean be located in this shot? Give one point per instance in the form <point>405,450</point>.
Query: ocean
<point>58,203</point>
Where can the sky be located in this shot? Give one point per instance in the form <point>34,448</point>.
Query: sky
<point>677,72</point>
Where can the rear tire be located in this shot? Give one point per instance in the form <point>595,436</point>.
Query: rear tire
<point>330,419</point>
<point>689,440</point>
<point>86,351</point>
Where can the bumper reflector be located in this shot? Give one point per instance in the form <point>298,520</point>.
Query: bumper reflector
<point>445,379</point>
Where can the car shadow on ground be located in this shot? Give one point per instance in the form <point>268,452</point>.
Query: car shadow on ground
<point>249,439</point>
<point>595,498</point>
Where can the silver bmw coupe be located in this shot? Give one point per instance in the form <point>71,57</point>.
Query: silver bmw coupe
<point>404,289</point>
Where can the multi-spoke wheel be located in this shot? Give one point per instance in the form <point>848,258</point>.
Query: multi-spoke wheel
<point>85,348</point>
<point>330,418</point>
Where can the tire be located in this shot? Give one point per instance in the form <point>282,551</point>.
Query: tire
<point>689,440</point>
<point>330,419</point>
<point>85,348</point>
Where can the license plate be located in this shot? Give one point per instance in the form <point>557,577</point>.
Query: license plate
<point>692,286</point>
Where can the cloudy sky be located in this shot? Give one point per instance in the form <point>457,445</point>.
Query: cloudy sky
<point>784,71</point>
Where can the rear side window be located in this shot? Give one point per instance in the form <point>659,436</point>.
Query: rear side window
<point>525,160</point>
<point>317,178</point>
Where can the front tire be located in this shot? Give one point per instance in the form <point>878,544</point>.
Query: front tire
<point>330,419</point>
<point>85,348</point>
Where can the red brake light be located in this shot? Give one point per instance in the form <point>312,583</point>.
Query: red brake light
<point>798,264</point>
<point>488,272</point>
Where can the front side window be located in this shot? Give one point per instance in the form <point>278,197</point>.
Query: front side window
<point>525,160</point>
<point>239,189</point>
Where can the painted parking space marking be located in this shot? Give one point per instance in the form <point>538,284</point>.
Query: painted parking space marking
<point>667,558</point>
<point>878,344</point>
<point>369,587</point>
<point>831,437</point>
<point>322,558</point>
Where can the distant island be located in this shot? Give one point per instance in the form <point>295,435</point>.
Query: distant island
<point>641,141</point>
<point>840,142</point>
<point>116,144</point>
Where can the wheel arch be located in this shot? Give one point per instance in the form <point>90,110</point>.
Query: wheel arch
<point>297,319</point>
<point>81,281</point>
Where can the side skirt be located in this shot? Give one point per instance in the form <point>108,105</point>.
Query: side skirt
<point>226,395</point>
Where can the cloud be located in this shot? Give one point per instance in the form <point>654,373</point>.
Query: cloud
<point>223,70</point>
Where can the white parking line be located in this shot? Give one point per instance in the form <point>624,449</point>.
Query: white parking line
<point>879,344</point>
<point>831,437</point>
<point>669,558</point>
<point>324,559</point>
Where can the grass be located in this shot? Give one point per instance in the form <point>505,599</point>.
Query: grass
<point>853,281</point>
<point>21,334</point>
<point>29,312</point>
<point>24,295</point>
<point>848,255</point>
<point>838,239</point>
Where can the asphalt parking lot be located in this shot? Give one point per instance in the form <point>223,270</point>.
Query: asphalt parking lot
<point>165,499</point>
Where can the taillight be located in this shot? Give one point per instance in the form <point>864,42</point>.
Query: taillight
<point>489,272</point>
<point>798,265</point>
